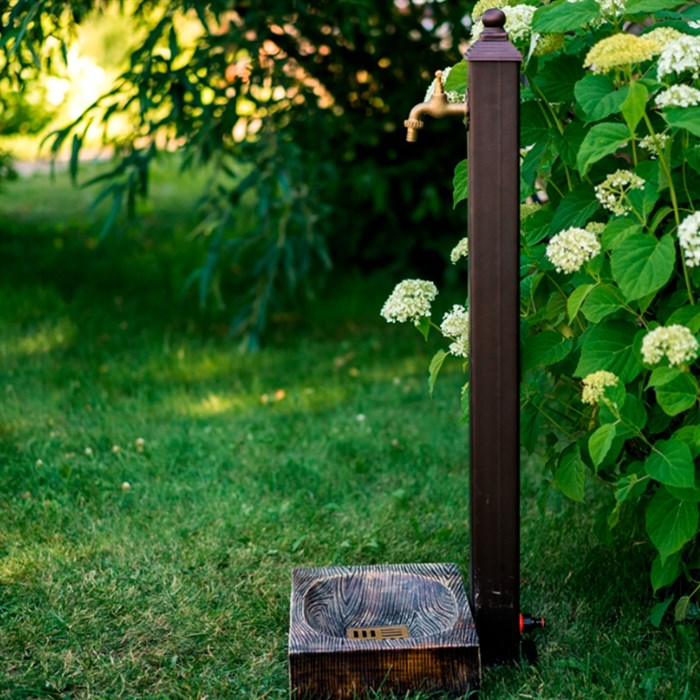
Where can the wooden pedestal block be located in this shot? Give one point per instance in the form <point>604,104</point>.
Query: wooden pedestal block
<point>394,627</point>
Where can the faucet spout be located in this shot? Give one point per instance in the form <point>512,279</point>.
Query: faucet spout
<point>436,107</point>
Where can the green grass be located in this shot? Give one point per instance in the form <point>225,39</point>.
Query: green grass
<point>323,449</point>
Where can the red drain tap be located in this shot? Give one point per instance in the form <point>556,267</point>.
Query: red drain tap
<point>529,623</point>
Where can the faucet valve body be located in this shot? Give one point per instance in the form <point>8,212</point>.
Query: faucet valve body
<point>437,107</point>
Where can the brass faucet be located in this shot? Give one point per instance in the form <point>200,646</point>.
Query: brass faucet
<point>437,107</point>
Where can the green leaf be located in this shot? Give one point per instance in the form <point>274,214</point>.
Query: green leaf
<point>423,326</point>
<point>602,140</point>
<point>571,474</point>
<point>689,495</point>
<point>456,80</point>
<point>563,16</point>
<point>529,168</point>
<point>665,571</point>
<point>680,611</point>
<point>545,348</point>
<point>688,316</point>
<point>677,395</point>
<point>630,487</point>
<point>634,417</point>
<point>536,227</point>
<point>663,375</point>
<point>600,442</point>
<point>434,369</point>
<point>635,104</point>
<point>684,118</point>
<point>575,209</point>
<point>598,96</point>
<point>459,183</point>
<point>576,298</point>
<point>635,6</point>
<point>642,265</point>
<point>692,157</point>
<point>609,345</point>
<point>111,218</point>
<point>658,611</point>
<point>618,230</point>
<point>670,462</point>
<point>670,523</point>
<point>643,200</point>
<point>689,435</point>
<point>601,302</point>
<point>615,396</point>
<point>557,78</point>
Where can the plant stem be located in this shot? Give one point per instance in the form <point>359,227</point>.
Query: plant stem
<point>674,203</point>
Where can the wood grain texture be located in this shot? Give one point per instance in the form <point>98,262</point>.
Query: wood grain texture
<point>441,653</point>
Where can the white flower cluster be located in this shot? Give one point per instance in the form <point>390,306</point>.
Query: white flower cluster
<point>518,23</point>
<point>689,238</point>
<point>461,250</point>
<point>455,326</point>
<point>612,192</point>
<point>410,301</point>
<point>569,249</point>
<point>528,209</point>
<point>675,341</point>
<point>612,8</point>
<point>662,35</point>
<point>678,96</point>
<point>680,55</point>
<point>595,227</point>
<point>654,143</point>
<point>594,386</point>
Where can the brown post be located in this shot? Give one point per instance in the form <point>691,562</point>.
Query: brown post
<point>494,199</point>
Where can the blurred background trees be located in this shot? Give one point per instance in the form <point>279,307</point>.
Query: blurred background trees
<point>295,109</point>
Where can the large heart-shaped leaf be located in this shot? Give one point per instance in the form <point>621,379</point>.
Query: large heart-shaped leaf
<point>642,265</point>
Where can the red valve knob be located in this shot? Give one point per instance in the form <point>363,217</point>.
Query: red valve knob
<point>529,623</point>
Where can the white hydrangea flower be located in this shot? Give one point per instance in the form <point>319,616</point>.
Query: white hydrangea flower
<point>676,342</point>
<point>455,326</point>
<point>477,28</point>
<point>594,386</point>
<point>612,192</point>
<point>410,301</point>
<point>612,8</point>
<point>528,209</point>
<point>689,238</point>
<point>680,55</point>
<point>678,96</point>
<point>519,22</point>
<point>461,250</point>
<point>662,35</point>
<point>595,227</point>
<point>654,143</point>
<point>569,249</point>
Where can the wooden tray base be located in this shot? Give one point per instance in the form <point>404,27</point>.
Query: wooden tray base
<point>391,627</point>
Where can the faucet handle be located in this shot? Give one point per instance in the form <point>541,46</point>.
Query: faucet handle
<point>412,126</point>
<point>439,87</point>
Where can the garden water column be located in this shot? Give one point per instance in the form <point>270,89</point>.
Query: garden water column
<point>493,225</point>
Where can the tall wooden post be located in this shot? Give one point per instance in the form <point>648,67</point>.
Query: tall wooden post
<point>494,186</point>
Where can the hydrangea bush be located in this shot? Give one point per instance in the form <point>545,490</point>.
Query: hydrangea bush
<point>610,258</point>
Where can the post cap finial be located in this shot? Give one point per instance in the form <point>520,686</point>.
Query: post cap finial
<point>494,18</point>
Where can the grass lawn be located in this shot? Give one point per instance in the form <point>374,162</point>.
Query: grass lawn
<point>157,487</point>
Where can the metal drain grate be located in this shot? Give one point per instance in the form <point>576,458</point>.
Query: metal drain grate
<point>390,632</point>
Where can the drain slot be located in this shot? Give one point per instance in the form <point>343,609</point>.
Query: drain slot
<point>389,632</point>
